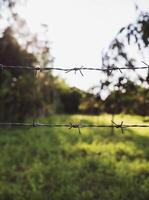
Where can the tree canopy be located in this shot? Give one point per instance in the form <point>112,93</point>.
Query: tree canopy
<point>131,38</point>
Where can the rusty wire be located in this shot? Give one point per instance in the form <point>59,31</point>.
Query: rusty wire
<point>70,125</point>
<point>109,70</point>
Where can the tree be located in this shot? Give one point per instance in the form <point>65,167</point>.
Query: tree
<point>16,86</point>
<point>134,37</point>
<point>130,102</point>
<point>21,92</point>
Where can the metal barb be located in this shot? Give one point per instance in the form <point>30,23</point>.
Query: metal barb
<point>121,126</point>
<point>145,63</point>
<point>120,70</point>
<point>34,124</point>
<point>38,69</point>
<point>81,71</point>
<point>78,126</point>
<point>109,71</point>
<point>75,69</point>
<point>69,70</point>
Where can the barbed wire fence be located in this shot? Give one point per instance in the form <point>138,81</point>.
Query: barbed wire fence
<point>109,70</point>
<point>71,125</point>
<point>78,126</point>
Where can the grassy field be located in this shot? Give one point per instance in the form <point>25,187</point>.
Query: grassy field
<point>60,164</point>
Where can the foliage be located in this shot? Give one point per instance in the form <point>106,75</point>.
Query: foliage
<point>71,99</point>
<point>22,93</point>
<point>132,38</point>
<point>91,104</point>
<point>128,98</point>
<point>15,86</point>
<point>58,164</point>
<point>135,35</point>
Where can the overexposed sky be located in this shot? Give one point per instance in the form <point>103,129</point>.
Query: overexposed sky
<point>79,30</point>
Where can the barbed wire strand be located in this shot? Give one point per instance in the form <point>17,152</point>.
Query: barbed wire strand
<point>109,70</point>
<point>71,125</point>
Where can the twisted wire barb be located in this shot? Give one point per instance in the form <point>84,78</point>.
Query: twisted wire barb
<point>71,125</point>
<point>119,126</point>
<point>109,70</point>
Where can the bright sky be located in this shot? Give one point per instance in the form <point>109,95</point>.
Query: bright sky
<point>79,30</point>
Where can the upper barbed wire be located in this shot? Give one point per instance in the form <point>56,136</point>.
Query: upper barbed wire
<point>109,70</point>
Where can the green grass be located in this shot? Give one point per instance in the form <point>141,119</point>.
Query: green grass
<point>60,164</point>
